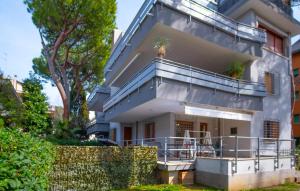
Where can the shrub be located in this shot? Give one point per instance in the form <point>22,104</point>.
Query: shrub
<point>25,161</point>
<point>72,142</point>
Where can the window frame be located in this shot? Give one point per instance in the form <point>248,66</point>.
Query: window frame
<point>272,78</point>
<point>233,131</point>
<point>298,115</point>
<point>297,95</point>
<point>271,129</point>
<point>149,131</point>
<point>272,40</point>
<point>296,69</point>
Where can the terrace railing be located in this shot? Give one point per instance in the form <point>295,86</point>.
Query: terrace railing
<point>195,10</point>
<point>232,148</point>
<point>176,71</point>
<point>279,3</point>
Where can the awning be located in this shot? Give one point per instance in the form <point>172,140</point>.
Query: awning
<point>217,113</point>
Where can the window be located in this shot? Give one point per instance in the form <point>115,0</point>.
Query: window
<point>233,131</point>
<point>296,72</point>
<point>296,118</point>
<point>271,129</point>
<point>274,41</point>
<point>150,130</point>
<point>113,134</point>
<point>297,95</point>
<point>182,126</point>
<point>269,83</point>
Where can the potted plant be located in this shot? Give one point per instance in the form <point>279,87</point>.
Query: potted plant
<point>161,45</point>
<point>236,70</point>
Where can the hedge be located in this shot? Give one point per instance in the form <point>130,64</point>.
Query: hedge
<point>25,161</point>
<point>103,168</point>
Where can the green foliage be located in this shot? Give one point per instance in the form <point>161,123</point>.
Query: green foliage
<point>72,142</point>
<point>103,168</point>
<point>79,110</point>
<point>1,123</point>
<point>77,36</point>
<point>25,161</point>
<point>11,109</point>
<point>36,116</point>
<point>161,42</point>
<point>236,70</point>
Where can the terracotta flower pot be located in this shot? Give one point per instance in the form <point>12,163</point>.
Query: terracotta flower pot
<point>161,52</point>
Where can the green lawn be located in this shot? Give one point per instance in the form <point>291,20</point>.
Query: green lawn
<point>285,187</point>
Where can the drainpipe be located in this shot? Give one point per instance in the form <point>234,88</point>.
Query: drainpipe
<point>292,85</point>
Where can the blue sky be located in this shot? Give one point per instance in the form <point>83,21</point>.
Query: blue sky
<point>20,42</point>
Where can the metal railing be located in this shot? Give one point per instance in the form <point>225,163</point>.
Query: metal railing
<point>232,148</point>
<point>176,71</point>
<point>169,148</point>
<point>279,3</point>
<point>194,9</point>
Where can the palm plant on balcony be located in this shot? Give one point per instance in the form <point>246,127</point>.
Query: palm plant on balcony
<point>161,44</point>
<point>236,70</point>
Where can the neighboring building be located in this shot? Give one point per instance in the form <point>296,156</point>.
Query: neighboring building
<point>296,100</point>
<point>244,126</point>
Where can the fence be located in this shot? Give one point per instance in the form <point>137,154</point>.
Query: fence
<point>231,147</point>
<point>102,168</point>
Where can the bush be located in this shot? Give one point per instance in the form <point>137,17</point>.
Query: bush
<point>72,142</point>
<point>25,161</point>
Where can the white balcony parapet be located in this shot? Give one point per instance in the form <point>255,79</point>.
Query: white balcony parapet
<point>195,10</point>
<point>179,72</point>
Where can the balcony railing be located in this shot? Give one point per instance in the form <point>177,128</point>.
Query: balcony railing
<point>195,10</point>
<point>279,3</point>
<point>188,74</point>
<point>234,148</point>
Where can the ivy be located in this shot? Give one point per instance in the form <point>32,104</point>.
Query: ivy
<point>103,168</point>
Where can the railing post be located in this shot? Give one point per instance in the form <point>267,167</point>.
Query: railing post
<point>195,148</point>
<point>236,151</point>
<point>142,142</point>
<point>277,152</point>
<point>165,153</point>
<point>221,147</point>
<point>258,152</point>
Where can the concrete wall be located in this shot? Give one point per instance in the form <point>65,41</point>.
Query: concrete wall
<point>183,92</point>
<point>275,107</point>
<point>246,177</point>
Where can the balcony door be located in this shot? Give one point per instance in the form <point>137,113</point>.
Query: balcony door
<point>127,135</point>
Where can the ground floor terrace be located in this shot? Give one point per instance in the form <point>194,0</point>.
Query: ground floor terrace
<point>218,151</point>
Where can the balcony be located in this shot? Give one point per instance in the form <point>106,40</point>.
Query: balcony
<point>177,83</point>
<point>151,20</point>
<point>285,7</point>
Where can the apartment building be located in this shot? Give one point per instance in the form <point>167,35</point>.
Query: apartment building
<point>238,128</point>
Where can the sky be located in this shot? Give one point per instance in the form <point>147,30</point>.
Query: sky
<point>20,41</point>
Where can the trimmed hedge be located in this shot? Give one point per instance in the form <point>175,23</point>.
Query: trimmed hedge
<point>103,168</point>
<point>25,161</point>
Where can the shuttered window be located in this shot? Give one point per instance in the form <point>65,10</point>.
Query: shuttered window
<point>271,129</point>
<point>113,134</point>
<point>269,83</point>
<point>297,118</point>
<point>274,41</point>
<point>297,95</point>
<point>150,130</point>
<point>296,72</point>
